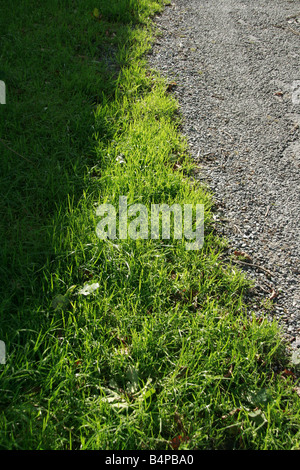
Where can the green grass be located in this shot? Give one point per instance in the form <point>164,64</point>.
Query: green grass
<point>166,345</point>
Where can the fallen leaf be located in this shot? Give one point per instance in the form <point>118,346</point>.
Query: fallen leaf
<point>96,13</point>
<point>171,86</point>
<point>243,254</point>
<point>229,373</point>
<point>89,289</point>
<point>177,440</point>
<point>273,294</point>
<point>288,373</point>
<point>176,166</point>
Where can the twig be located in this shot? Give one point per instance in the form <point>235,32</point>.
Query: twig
<point>225,132</point>
<point>237,228</point>
<point>5,145</point>
<point>293,16</point>
<point>267,211</point>
<point>254,265</point>
<point>283,27</point>
<point>265,290</point>
<point>294,31</point>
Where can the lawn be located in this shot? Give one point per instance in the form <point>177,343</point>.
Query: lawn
<point>117,344</point>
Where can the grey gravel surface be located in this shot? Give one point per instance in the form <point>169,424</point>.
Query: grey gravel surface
<point>236,66</point>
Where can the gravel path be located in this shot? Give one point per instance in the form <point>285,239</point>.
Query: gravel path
<point>236,66</point>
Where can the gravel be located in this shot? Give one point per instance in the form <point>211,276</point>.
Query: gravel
<point>236,66</point>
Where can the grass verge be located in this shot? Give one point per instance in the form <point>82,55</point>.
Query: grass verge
<point>163,354</point>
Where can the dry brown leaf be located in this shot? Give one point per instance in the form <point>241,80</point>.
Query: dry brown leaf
<point>243,254</point>
<point>171,86</point>
<point>229,373</point>
<point>288,373</point>
<point>177,440</point>
<point>273,294</point>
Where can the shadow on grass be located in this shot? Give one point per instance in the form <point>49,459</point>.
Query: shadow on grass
<point>59,60</point>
